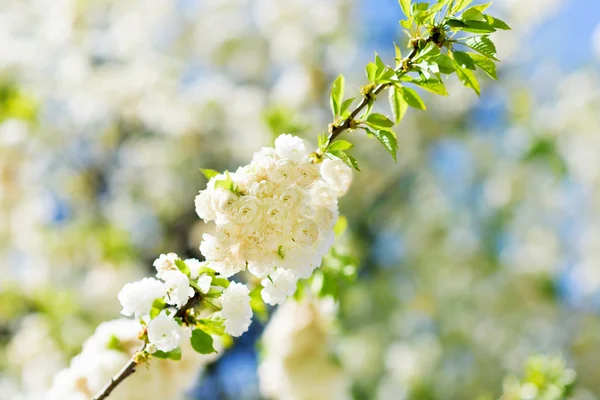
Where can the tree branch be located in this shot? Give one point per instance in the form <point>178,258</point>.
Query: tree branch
<point>338,130</point>
<point>129,368</point>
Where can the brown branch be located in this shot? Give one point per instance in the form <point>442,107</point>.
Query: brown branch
<point>368,97</point>
<point>129,368</point>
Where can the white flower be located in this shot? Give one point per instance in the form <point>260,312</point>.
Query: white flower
<point>325,217</point>
<point>336,174</point>
<point>165,333</point>
<point>166,262</point>
<point>290,147</point>
<point>263,189</point>
<point>212,248</point>
<point>301,261</point>
<point>281,284</point>
<point>306,232</point>
<point>204,283</point>
<point>178,288</point>
<point>204,207</point>
<point>284,172</point>
<point>228,266</point>
<point>137,297</point>
<point>323,195</point>
<point>291,196</point>
<point>261,268</point>
<point>249,209</point>
<point>326,240</point>
<point>236,309</point>
<point>151,348</point>
<point>223,201</point>
<point>194,265</point>
<point>308,173</point>
<point>277,215</point>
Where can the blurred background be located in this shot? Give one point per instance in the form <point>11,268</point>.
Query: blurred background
<point>477,250</point>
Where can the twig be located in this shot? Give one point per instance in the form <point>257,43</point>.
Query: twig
<point>129,368</point>
<point>368,98</point>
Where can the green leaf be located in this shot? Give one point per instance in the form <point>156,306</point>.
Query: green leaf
<point>483,45</point>
<point>397,103</point>
<point>467,77</point>
<point>472,14</point>
<point>486,65</point>
<point>202,342</point>
<point>371,70</point>
<point>478,27</point>
<point>398,54</point>
<point>226,183</point>
<point>379,121</point>
<point>157,306</point>
<point>482,7</point>
<point>460,5</point>
<point>413,99</point>
<point>430,50</point>
<point>387,139</point>
<point>115,344</point>
<point>346,158</point>
<point>445,64</point>
<point>433,86</point>
<point>497,23</point>
<point>322,140</point>
<point>258,305</point>
<point>340,145</point>
<point>340,226</point>
<point>456,23</point>
<point>380,66</point>
<point>174,354</point>
<point>345,106</point>
<point>209,173</point>
<point>182,266</point>
<point>463,59</point>
<point>337,95</point>
<point>405,4</point>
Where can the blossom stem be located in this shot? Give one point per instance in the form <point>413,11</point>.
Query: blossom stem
<point>129,368</point>
<point>368,97</point>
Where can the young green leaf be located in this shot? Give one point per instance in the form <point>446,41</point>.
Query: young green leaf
<point>340,145</point>
<point>460,5</point>
<point>433,86</point>
<point>115,344</point>
<point>174,355</point>
<point>397,103</point>
<point>405,4</point>
<point>322,140</point>
<point>482,7</point>
<point>337,95</point>
<point>371,70</point>
<point>379,121</point>
<point>346,158</point>
<point>485,64</point>
<point>463,59</point>
<point>209,173</point>
<point>473,14</point>
<point>182,266</point>
<point>444,63</point>
<point>478,27</point>
<point>345,106</point>
<point>157,306</point>
<point>483,45</point>
<point>497,23</point>
<point>398,54</point>
<point>413,99</point>
<point>202,342</point>
<point>380,66</point>
<point>387,139</point>
<point>467,77</point>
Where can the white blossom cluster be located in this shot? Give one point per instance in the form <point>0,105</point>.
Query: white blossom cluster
<point>176,288</point>
<point>105,352</point>
<point>274,217</point>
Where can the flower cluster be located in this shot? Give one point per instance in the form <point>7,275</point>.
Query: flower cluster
<point>273,217</point>
<point>179,281</point>
<point>111,346</point>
